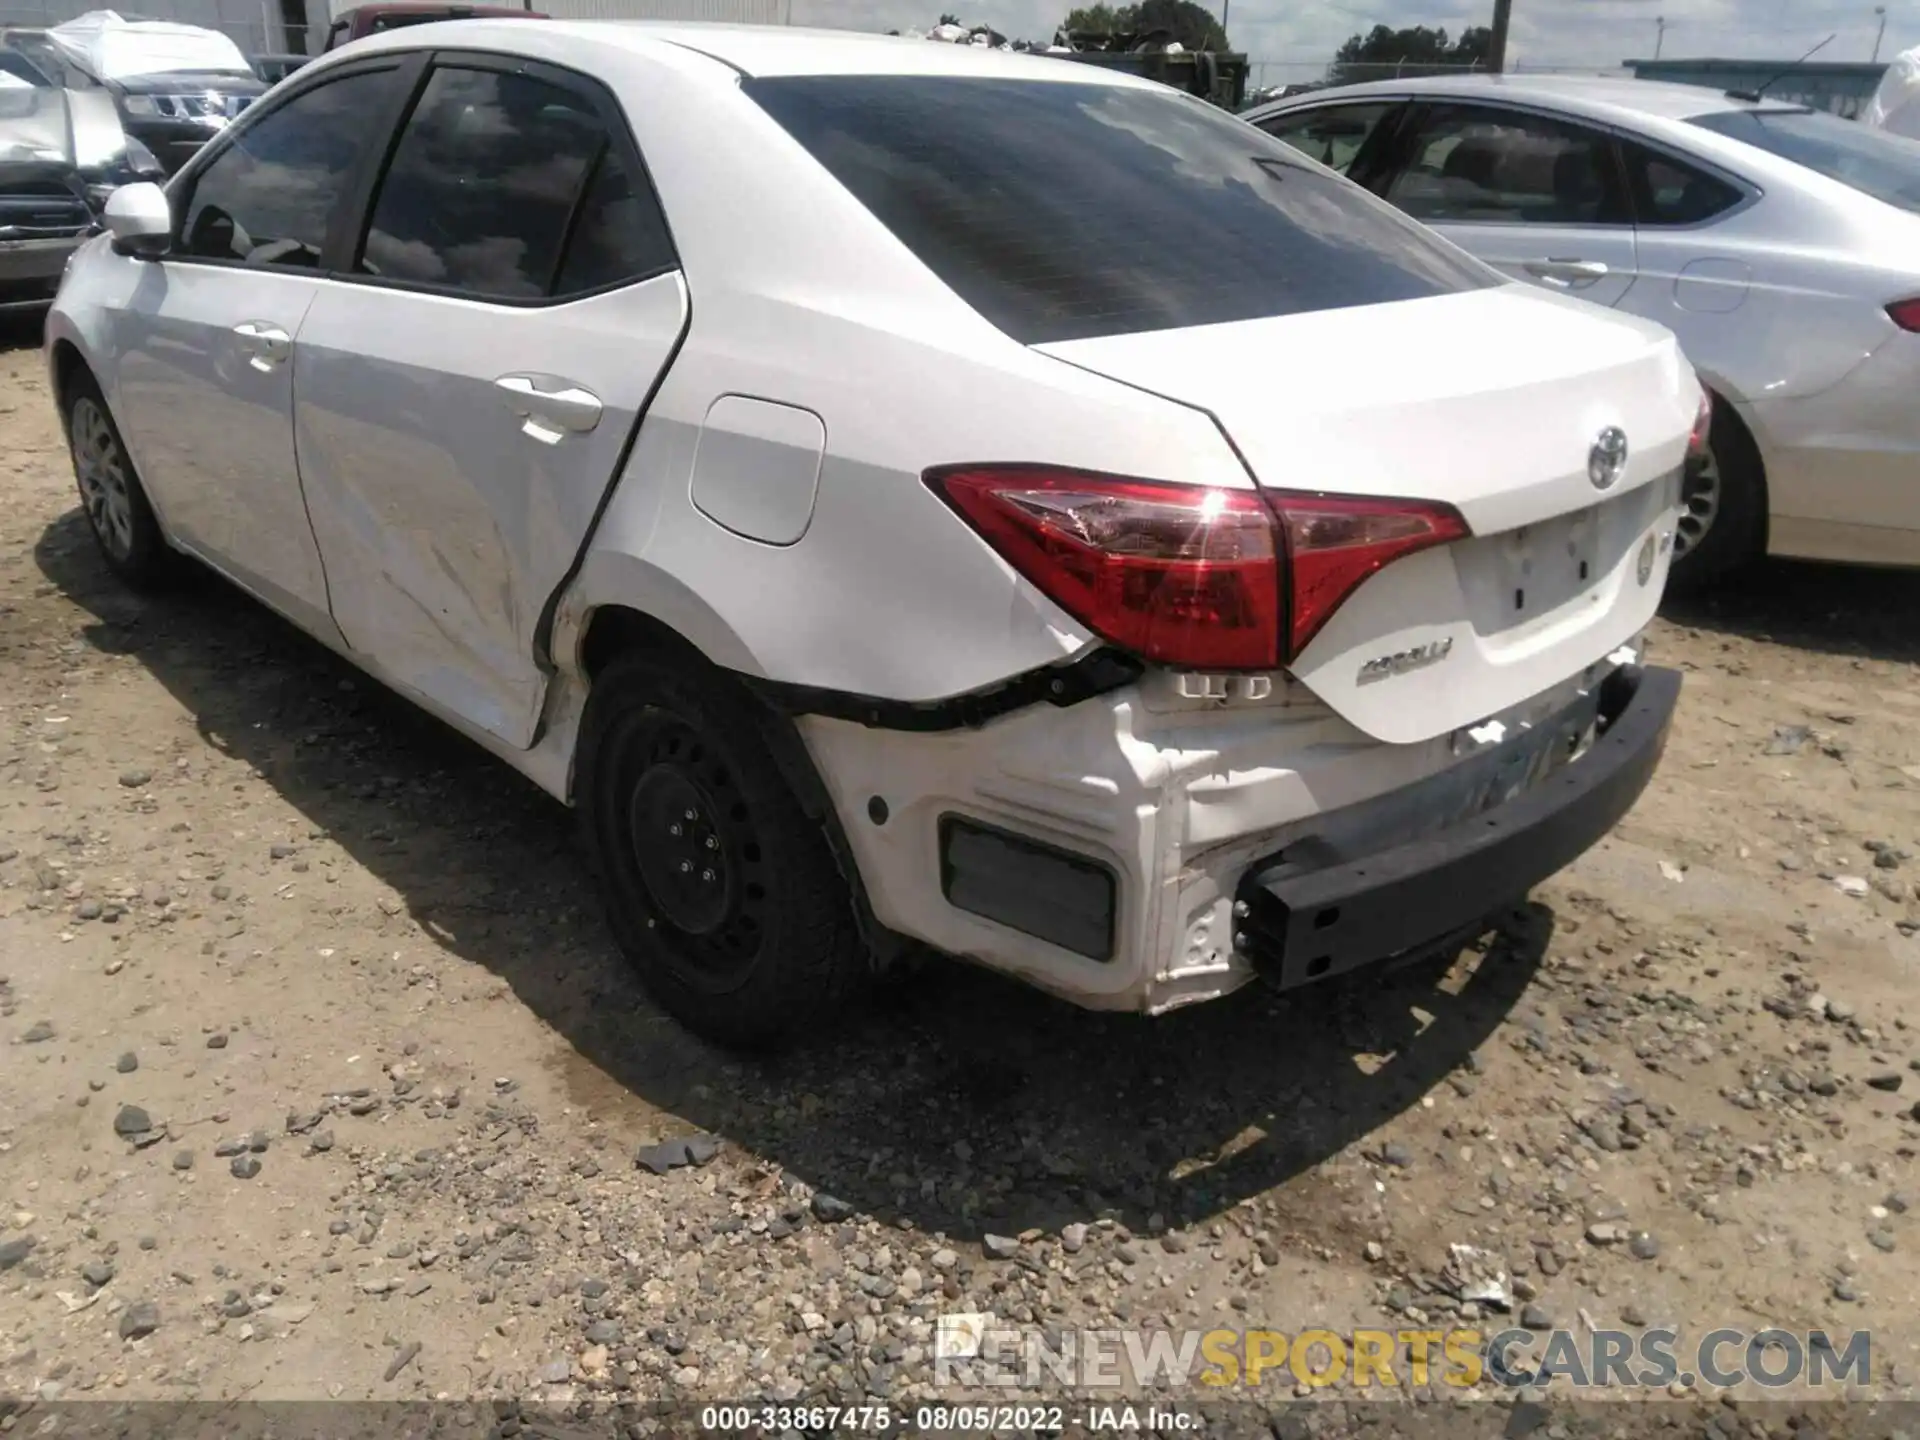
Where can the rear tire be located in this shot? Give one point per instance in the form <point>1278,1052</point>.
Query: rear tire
<point>1723,500</point>
<point>719,887</point>
<point>111,494</point>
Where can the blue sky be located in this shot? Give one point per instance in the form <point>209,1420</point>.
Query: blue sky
<point>1595,33</point>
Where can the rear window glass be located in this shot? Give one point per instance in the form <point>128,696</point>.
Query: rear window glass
<point>1884,166</point>
<point>1064,211</point>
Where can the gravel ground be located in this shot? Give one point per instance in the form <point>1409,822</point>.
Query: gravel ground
<point>320,1077</point>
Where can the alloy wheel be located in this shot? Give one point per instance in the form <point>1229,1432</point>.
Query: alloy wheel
<point>1700,494</point>
<point>101,468</point>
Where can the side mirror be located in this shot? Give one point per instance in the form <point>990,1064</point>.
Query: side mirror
<point>140,220</point>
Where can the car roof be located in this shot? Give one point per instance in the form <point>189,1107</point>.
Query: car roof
<point>430,7</point>
<point>1599,97</point>
<point>756,51</point>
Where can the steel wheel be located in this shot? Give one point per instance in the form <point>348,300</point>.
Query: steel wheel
<point>1700,493</point>
<point>720,886</point>
<point>101,467</point>
<point>697,854</point>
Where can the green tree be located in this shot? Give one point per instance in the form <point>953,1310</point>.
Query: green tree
<point>1383,53</point>
<point>1100,19</point>
<point>1193,25</point>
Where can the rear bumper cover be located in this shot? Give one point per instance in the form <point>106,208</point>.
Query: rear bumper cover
<point>1299,921</point>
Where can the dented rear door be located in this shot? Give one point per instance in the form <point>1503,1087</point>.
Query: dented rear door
<point>463,402</point>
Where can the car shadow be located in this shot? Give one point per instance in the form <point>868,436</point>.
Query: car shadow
<point>1832,609</point>
<point>958,1102</point>
<point>20,331</point>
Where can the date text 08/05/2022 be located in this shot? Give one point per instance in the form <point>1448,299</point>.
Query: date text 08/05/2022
<point>1043,1418</point>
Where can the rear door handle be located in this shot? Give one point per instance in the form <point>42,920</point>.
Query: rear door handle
<point>1567,272</point>
<point>550,408</point>
<point>264,345</point>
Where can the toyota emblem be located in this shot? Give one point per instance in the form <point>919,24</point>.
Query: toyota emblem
<point>1607,460</point>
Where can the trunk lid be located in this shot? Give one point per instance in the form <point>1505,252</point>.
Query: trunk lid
<point>1490,401</point>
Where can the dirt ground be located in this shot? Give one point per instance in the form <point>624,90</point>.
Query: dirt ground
<point>320,1076</point>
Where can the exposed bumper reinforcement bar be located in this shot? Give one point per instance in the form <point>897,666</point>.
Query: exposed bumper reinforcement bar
<point>1299,926</point>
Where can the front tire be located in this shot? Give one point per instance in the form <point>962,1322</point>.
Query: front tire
<point>719,887</point>
<point>116,505</point>
<point>1723,509</point>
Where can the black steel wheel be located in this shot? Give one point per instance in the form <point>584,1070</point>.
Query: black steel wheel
<point>719,886</point>
<point>695,849</point>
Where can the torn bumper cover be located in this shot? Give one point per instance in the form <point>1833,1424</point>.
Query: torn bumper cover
<point>1341,899</point>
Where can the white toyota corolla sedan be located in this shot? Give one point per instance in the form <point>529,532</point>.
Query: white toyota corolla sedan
<point>1781,246</point>
<point>903,493</point>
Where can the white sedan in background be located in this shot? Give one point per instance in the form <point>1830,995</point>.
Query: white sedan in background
<point>904,491</point>
<point>1781,245</point>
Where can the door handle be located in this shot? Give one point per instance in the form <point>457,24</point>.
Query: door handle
<point>1567,272</point>
<point>264,345</point>
<point>549,408</point>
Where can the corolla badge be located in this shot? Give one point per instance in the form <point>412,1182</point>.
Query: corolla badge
<point>1607,460</point>
<point>1399,663</point>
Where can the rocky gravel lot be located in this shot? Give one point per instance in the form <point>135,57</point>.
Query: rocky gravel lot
<point>319,1076</point>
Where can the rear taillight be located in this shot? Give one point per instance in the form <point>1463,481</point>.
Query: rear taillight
<point>1174,573</point>
<point>1905,314</point>
<point>1182,574</point>
<point>1334,542</point>
<point>1702,427</point>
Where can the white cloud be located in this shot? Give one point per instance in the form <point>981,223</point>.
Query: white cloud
<point>1295,41</point>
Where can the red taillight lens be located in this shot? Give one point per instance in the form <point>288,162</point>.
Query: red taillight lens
<point>1905,314</point>
<point>1702,428</point>
<point>1335,542</point>
<point>1184,575</point>
<point>1179,574</point>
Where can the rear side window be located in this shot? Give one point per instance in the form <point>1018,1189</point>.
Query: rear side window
<point>497,180</point>
<point>1669,192</point>
<point>1333,135</point>
<point>1063,211</point>
<point>1884,166</point>
<point>1470,164</point>
<point>620,232</point>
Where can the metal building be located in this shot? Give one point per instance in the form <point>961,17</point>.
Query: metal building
<point>1840,87</point>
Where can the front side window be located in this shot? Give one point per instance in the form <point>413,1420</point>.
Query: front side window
<point>267,198</point>
<point>494,174</point>
<point>1062,210</point>
<point>1466,163</point>
<point>1873,162</point>
<point>1332,135</point>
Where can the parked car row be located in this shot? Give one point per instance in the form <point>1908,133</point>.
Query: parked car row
<point>1780,244</point>
<point>63,149</point>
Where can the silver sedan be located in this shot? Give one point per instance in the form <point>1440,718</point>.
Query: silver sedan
<point>1781,245</point>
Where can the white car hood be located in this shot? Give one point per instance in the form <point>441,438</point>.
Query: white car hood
<point>111,47</point>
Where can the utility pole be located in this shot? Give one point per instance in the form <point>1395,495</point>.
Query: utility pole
<point>1881,11</point>
<point>1497,51</point>
<point>1659,34</point>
